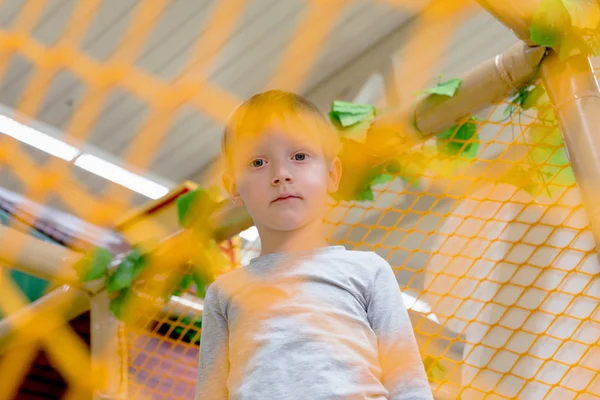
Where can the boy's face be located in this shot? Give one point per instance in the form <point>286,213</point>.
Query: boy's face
<point>282,178</point>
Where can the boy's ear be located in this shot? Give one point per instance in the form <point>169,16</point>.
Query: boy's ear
<point>335,174</point>
<point>231,188</point>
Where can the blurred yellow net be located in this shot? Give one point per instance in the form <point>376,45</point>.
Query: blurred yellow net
<point>494,256</point>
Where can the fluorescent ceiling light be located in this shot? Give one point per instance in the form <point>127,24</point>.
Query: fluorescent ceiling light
<point>121,176</point>
<point>250,234</point>
<point>188,303</point>
<point>37,139</point>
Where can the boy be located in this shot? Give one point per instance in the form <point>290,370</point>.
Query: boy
<point>304,320</point>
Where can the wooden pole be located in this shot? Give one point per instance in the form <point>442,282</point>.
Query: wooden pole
<point>491,81</point>
<point>573,90</point>
<point>109,351</point>
<point>37,257</point>
<point>70,300</point>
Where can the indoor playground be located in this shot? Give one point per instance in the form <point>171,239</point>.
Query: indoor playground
<point>471,155</point>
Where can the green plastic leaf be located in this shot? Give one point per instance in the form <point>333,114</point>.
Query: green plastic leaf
<point>138,260</point>
<point>545,142</point>
<point>447,88</point>
<point>121,278</point>
<point>339,106</point>
<point>200,285</point>
<point>357,132</point>
<point>549,154</point>
<point>186,281</point>
<point>184,285</point>
<point>550,23</point>
<point>517,100</point>
<point>94,265</point>
<point>366,195</point>
<point>195,208</point>
<point>383,178</point>
<point>463,141</point>
<point>435,371</point>
<point>117,304</point>
<point>352,120</point>
<point>347,114</point>
<point>533,97</point>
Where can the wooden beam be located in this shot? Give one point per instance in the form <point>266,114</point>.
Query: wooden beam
<point>491,81</point>
<point>71,302</point>
<point>37,257</point>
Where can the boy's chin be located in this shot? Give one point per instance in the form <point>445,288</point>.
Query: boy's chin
<point>287,223</point>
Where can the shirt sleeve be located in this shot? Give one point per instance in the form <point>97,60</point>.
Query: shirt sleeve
<point>214,350</point>
<point>403,373</point>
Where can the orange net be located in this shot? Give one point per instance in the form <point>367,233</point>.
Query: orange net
<point>495,259</point>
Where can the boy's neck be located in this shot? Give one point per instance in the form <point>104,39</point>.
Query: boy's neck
<point>306,238</point>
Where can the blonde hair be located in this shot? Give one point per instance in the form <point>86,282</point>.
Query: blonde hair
<point>263,110</point>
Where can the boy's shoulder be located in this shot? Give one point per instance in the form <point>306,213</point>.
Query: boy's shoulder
<point>368,260</point>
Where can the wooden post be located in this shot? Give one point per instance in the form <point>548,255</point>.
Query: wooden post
<point>109,351</point>
<point>573,90</point>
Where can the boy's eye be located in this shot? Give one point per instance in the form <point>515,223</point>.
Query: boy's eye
<point>257,163</point>
<point>300,156</point>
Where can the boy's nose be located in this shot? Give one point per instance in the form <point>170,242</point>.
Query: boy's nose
<point>282,177</point>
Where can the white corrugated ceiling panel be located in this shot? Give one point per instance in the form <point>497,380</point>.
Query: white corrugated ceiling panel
<point>243,66</point>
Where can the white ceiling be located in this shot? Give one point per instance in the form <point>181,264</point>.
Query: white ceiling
<point>244,66</point>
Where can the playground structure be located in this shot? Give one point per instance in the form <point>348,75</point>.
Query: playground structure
<point>501,284</point>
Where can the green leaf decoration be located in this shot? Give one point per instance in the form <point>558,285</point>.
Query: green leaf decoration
<point>570,27</point>
<point>366,195</point>
<point>547,167</point>
<point>121,278</point>
<point>550,23</point>
<point>447,88</point>
<point>129,268</point>
<point>94,265</point>
<point>381,179</point>
<point>352,120</point>
<point>533,97</point>
<point>186,282</point>
<point>545,142</point>
<point>200,285</point>
<point>117,304</point>
<point>548,152</point>
<point>435,371</point>
<point>378,178</point>
<point>516,101</point>
<point>184,285</point>
<point>195,208</point>
<point>138,260</point>
<point>460,140</point>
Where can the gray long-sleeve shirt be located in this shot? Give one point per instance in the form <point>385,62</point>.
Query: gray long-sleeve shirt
<point>329,324</point>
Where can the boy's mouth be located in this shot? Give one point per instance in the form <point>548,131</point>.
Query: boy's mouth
<point>285,197</point>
